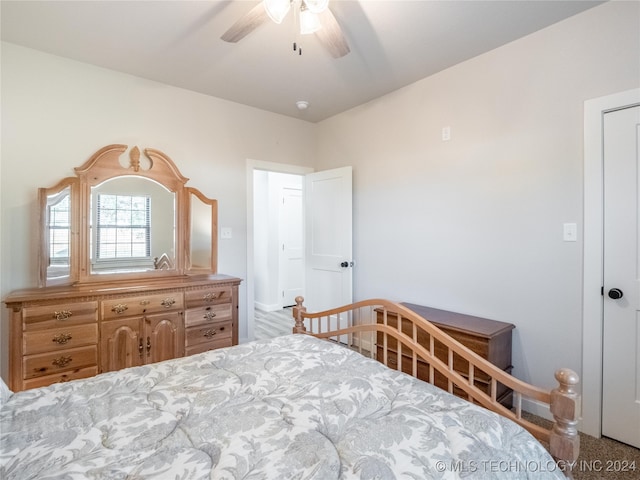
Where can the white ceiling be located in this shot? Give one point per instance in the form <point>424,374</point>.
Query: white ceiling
<point>393,43</point>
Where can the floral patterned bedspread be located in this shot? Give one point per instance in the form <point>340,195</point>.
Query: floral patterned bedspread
<point>290,408</point>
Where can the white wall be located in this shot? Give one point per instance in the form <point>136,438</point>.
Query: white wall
<point>474,224</point>
<point>56,113</point>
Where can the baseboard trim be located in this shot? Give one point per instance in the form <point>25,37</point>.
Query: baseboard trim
<point>537,408</point>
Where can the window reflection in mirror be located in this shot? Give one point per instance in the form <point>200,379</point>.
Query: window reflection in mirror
<point>132,226</point>
<point>58,227</point>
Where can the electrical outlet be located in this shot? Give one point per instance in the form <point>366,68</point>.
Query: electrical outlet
<point>225,232</point>
<point>446,134</point>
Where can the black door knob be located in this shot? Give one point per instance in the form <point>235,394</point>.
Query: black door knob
<point>344,264</point>
<point>615,293</point>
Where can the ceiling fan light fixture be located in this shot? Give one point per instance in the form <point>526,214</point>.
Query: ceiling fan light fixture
<point>317,6</point>
<point>277,9</point>
<point>309,22</point>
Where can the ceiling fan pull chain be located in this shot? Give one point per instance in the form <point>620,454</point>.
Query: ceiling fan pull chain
<point>297,6</point>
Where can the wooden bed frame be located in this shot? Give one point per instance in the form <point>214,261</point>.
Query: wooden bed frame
<point>364,327</point>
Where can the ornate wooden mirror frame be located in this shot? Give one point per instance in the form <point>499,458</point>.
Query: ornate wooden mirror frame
<point>66,214</point>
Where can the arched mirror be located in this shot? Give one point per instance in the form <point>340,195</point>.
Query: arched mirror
<point>132,227</point>
<point>125,217</point>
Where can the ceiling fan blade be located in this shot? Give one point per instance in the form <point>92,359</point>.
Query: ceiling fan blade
<point>246,24</point>
<point>331,36</point>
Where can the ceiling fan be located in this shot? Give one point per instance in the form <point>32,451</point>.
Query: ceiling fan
<point>312,16</point>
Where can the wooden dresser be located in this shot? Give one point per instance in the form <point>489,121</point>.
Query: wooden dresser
<point>64,333</point>
<point>488,338</point>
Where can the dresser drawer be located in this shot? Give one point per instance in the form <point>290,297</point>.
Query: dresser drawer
<point>47,363</point>
<point>59,316</point>
<point>206,346</point>
<point>217,331</point>
<point>208,296</point>
<point>141,304</point>
<point>213,313</point>
<point>56,339</point>
<point>61,377</point>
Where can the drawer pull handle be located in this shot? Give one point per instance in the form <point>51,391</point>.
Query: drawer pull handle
<point>210,333</point>
<point>209,315</point>
<point>148,346</point>
<point>119,308</point>
<point>140,347</point>
<point>145,302</point>
<point>62,314</point>
<point>62,338</point>
<point>211,296</point>
<point>62,361</point>
<point>167,302</point>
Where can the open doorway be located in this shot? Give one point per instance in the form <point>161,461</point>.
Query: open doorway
<point>275,254</point>
<point>278,251</point>
<point>327,237</point>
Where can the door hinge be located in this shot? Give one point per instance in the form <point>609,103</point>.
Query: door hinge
<point>602,291</point>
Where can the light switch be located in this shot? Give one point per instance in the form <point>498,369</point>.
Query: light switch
<point>225,232</point>
<point>570,232</point>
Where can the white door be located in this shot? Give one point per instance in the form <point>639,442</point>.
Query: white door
<point>291,247</point>
<point>328,239</point>
<point>621,330</point>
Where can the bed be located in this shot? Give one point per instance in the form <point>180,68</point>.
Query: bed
<point>292,407</point>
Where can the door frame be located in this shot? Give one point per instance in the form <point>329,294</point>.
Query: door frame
<point>250,287</point>
<point>593,269</point>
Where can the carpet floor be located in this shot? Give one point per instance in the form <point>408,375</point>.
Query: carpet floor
<point>601,458</point>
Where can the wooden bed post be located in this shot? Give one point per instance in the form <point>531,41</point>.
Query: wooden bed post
<point>297,310</point>
<point>564,441</point>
